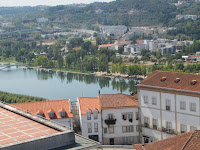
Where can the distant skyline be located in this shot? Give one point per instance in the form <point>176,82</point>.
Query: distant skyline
<point>10,3</point>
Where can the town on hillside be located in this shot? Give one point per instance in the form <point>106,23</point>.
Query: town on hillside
<point>109,75</point>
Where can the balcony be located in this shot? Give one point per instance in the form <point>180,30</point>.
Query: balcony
<point>110,121</point>
<point>169,131</point>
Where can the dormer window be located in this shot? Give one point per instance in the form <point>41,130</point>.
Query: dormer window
<point>40,114</point>
<point>51,114</point>
<point>163,79</point>
<point>95,112</point>
<point>88,115</point>
<point>177,80</point>
<point>62,113</point>
<point>193,82</point>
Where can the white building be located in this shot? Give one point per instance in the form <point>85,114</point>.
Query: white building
<point>42,20</point>
<point>169,105</point>
<point>134,49</point>
<point>117,118</point>
<point>90,118</point>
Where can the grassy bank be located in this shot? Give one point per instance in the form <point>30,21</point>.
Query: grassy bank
<point>17,98</point>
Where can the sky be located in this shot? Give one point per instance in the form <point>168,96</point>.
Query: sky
<point>11,3</point>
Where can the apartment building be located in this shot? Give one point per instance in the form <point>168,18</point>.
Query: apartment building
<point>168,104</point>
<point>113,118</point>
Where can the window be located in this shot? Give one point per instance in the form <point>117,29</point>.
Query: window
<point>182,105</point>
<point>146,122</point>
<point>183,128</point>
<point>89,127</point>
<point>40,114</point>
<point>168,125</point>
<point>128,128</point>
<point>125,140</point>
<point>62,113</point>
<point>193,128</point>
<point>105,130</point>
<point>130,140</point>
<point>110,130</point>
<point>88,115</point>
<point>193,107</point>
<point>137,116</point>
<point>95,112</point>
<point>51,114</point>
<point>110,116</point>
<point>128,116</point>
<point>154,101</point>
<point>168,104</point>
<point>155,121</point>
<point>95,127</point>
<point>146,100</point>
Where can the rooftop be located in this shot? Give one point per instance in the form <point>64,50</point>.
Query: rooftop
<point>15,128</point>
<point>44,107</point>
<point>185,141</point>
<point>117,101</point>
<point>20,130</point>
<point>89,103</point>
<point>175,81</point>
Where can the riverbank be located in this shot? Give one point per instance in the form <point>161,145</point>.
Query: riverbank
<point>101,74</point>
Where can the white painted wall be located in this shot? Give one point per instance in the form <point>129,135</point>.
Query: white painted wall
<point>117,114</point>
<point>84,126</point>
<point>185,117</point>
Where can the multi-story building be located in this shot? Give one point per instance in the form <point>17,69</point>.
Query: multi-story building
<point>90,118</point>
<point>113,118</point>
<point>169,104</point>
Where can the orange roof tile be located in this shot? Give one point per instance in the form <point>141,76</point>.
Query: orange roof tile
<point>185,141</point>
<point>89,103</point>
<point>106,45</point>
<point>185,84</point>
<point>45,107</point>
<point>117,101</point>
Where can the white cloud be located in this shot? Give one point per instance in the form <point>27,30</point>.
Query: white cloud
<point>45,2</point>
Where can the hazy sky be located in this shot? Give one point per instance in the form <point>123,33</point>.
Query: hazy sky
<point>45,2</point>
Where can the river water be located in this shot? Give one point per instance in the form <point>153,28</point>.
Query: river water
<point>56,85</point>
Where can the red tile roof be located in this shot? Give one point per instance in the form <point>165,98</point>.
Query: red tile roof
<point>45,107</point>
<point>185,141</point>
<point>167,80</point>
<point>117,101</point>
<point>15,128</point>
<point>106,45</point>
<point>88,103</point>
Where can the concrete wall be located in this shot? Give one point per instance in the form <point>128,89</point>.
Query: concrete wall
<point>45,142</point>
<point>65,121</point>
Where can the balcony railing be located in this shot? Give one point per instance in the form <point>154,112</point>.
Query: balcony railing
<point>155,126</point>
<point>146,125</point>
<point>110,121</point>
<point>169,131</point>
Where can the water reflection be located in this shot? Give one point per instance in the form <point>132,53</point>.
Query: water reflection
<point>120,85</point>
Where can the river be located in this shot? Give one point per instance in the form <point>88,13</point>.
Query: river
<point>56,85</point>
